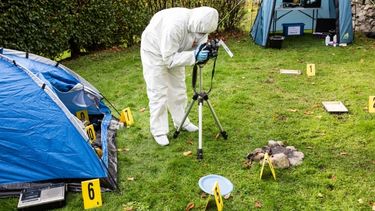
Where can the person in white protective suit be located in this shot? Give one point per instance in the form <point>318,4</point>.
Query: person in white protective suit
<point>169,43</point>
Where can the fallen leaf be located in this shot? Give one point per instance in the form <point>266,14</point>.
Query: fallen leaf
<point>190,142</point>
<point>343,153</point>
<point>309,147</point>
<point>217,136</point>
<point>142,110</point>
<point>362,60</point>
<point>373,162</point>
<point>203,195</point>
<point>227,196</point>
<point>333,178</point>
<point>258,204</point>
<point>128,209</point>
<point>320,195</point>
<point>130,178</point>
<point>247,164</point>
<point>319,116</point>
<point>187,153</point>
<point>189,206</point>
<point>292,110</point>
<point>360,201</point>
<point>308,112</point>
<point>316,106</point>
<point>269,81</point>
<point>122,149</point>
<point>373,207</point>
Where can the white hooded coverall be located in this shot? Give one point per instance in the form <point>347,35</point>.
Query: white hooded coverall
<point>167,46</point>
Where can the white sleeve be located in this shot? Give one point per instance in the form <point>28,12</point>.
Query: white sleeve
<point>169,44</point>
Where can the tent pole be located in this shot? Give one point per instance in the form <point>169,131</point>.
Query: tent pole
<point>110,104</point>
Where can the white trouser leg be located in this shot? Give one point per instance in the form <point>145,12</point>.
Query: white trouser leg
<point>156,78</point>
<point>177,98</point>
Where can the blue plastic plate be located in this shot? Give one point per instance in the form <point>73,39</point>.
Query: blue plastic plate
<point>207,183</point>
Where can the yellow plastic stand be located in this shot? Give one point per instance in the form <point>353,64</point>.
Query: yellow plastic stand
<point>267,159</point>
<point>91,133</point>
<point>218,198</point>
<point>92,197</point>
<point>83,115</point>
<point>127,117</point>
<point>310,70</point>
<point>371,104</point>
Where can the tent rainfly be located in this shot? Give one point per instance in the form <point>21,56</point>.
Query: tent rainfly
<point>41,139</point>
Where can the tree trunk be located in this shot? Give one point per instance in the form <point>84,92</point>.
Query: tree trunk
<point>74,48</point>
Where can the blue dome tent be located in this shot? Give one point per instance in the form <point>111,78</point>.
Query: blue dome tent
<point>41,139</point>
<point>271,15</point>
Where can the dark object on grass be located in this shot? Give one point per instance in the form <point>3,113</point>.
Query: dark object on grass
<point>276,41</point>
<point>370,34</point>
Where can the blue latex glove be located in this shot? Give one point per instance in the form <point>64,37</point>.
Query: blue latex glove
<point>201,55</point>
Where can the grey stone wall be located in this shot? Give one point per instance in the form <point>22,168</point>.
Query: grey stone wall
<point>364,15</point>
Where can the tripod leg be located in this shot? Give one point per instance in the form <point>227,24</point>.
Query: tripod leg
<point>200,114</point>
<point>177,132</point>
<point>222,131</point>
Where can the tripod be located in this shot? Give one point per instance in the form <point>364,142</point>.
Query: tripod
<point>201,96</point>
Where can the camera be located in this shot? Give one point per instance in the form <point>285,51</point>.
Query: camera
<point>213,47</point>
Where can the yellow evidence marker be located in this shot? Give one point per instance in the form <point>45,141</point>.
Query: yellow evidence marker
<point>310,69</point>
<point>371,104</point>
<point>83,115</point>
<point>126,117</point>
<point>91,133</point>
<point>92,197</point>
<point>267,159</point>
<point>218,198</point>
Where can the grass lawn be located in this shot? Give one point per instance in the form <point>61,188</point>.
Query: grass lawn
<point>254,104</point>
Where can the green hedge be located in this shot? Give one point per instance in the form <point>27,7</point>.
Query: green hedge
<point>51,27</point>
<point>34,25</point>
<point>232,10</point>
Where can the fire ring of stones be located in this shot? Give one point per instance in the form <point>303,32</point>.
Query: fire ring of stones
<point>281,156</point>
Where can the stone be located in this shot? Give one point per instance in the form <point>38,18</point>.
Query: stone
<point>280,160</point>
<point>258,156</point>
<point>272,143</point>
<point>257,150</point>
<point>277,149</point>
<point>297,158</point>
<point>292,148</point>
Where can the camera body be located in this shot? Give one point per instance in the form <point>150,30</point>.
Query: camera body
<point>213,47</point>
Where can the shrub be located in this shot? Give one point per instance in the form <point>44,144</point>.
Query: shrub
<point>51,27</point>
<point>131,18</point>
<point>232,11</point>
<point>91,25</point>
<point>34,26</point>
